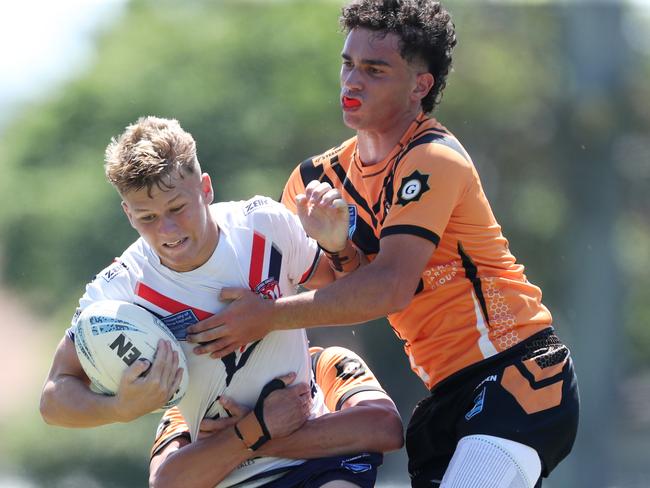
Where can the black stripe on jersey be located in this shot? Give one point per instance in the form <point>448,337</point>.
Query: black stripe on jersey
<point>352,191</point>
<point>420,287</point>
<point>412,230</point>
<point>471,272</point>
<point>309,172</point>
<point>275,263</point>
<point>364,237</point>
<point>350,393</point>
<point>439,138</point>
<point>231,364</point>
<point>314,361</point>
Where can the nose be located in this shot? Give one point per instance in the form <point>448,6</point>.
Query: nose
<point>167,226</point>
<point>350,78</point>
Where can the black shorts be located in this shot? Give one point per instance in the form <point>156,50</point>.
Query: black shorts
<point>360,469</point>
<point>528,394</point>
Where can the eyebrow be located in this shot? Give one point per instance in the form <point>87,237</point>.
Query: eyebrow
<point>170,202</point>
<point>374,62</point>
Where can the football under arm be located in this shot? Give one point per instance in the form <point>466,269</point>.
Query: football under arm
<point>66,399</point>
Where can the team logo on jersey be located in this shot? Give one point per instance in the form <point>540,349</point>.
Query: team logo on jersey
<point>113,270</point>
<point>349,368</point>
<point>412,188</point>
<point>178,323</point>
<point>269,288</point>
<point>352,219</point>
<point>253,205</point>
<point>478,405</point>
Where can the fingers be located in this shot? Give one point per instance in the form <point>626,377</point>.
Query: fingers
<point>209,427</point>
<point>165,363</point>
<point>204,325</point>
<point>137,369</point>
<point>232,407</point>
<point>288,378</point>
<point>232,293</point>
<point>320,194</point>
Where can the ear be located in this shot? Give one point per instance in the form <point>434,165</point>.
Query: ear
<point>423,84</point>
<point>206,188</point>
<point>125,207</point>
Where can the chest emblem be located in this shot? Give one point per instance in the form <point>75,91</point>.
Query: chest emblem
<point>352,219</point>
<point>269,289</point>
<point>412,188</point>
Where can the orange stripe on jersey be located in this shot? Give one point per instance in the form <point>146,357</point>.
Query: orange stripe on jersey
<point>172,425</point>
<point>341,373</point>
<point>531,400</point>
<point>474,300</point>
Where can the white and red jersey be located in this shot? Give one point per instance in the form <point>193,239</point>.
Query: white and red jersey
<point>263,247</point>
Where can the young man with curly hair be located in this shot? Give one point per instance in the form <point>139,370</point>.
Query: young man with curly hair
<point>503,408</point>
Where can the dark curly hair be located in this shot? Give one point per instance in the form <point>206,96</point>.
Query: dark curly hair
<point>425,30</point>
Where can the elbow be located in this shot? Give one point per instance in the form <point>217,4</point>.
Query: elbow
<point>397,297</point>
<point>158,478</point>
<point>391,435</point>
<point>47,409</point>
<point>392,432</point>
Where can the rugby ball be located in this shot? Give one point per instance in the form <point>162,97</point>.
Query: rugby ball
<point>110,335</point>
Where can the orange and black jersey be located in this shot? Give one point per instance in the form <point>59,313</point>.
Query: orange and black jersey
<point>339,372</point>
<point>473,300</point>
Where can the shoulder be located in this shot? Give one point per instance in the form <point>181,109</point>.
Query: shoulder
<point>314,167</point>
<point>432,143</point>
<point>433,150</point>
<point>258,213</point>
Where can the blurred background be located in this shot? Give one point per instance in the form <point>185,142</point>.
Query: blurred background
<point>551,99</point>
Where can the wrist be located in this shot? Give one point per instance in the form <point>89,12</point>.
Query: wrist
<point>117,412</point>
<point>344,261</point>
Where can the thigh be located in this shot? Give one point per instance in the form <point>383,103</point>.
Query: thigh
<point>431,439</point>
<point>492,462</point>
<point>532,400</point>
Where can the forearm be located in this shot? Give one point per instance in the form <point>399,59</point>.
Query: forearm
<point>211,459</point>
<point>366,294</point>
<point>347,431</point>
<point>68,402</point>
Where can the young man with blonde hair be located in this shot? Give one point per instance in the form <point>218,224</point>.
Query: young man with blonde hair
<point>188,250</point>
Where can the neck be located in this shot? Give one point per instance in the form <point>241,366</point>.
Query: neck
<point>375,145</point>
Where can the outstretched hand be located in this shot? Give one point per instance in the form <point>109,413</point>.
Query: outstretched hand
<point>246,319</point>
<point>324,215</point>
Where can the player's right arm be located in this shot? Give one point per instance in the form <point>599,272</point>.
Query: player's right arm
<point>68,401</point>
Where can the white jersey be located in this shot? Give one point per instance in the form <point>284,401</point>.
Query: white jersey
<point>263,247</point>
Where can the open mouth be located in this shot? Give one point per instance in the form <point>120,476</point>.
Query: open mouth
<point>174,244</point>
